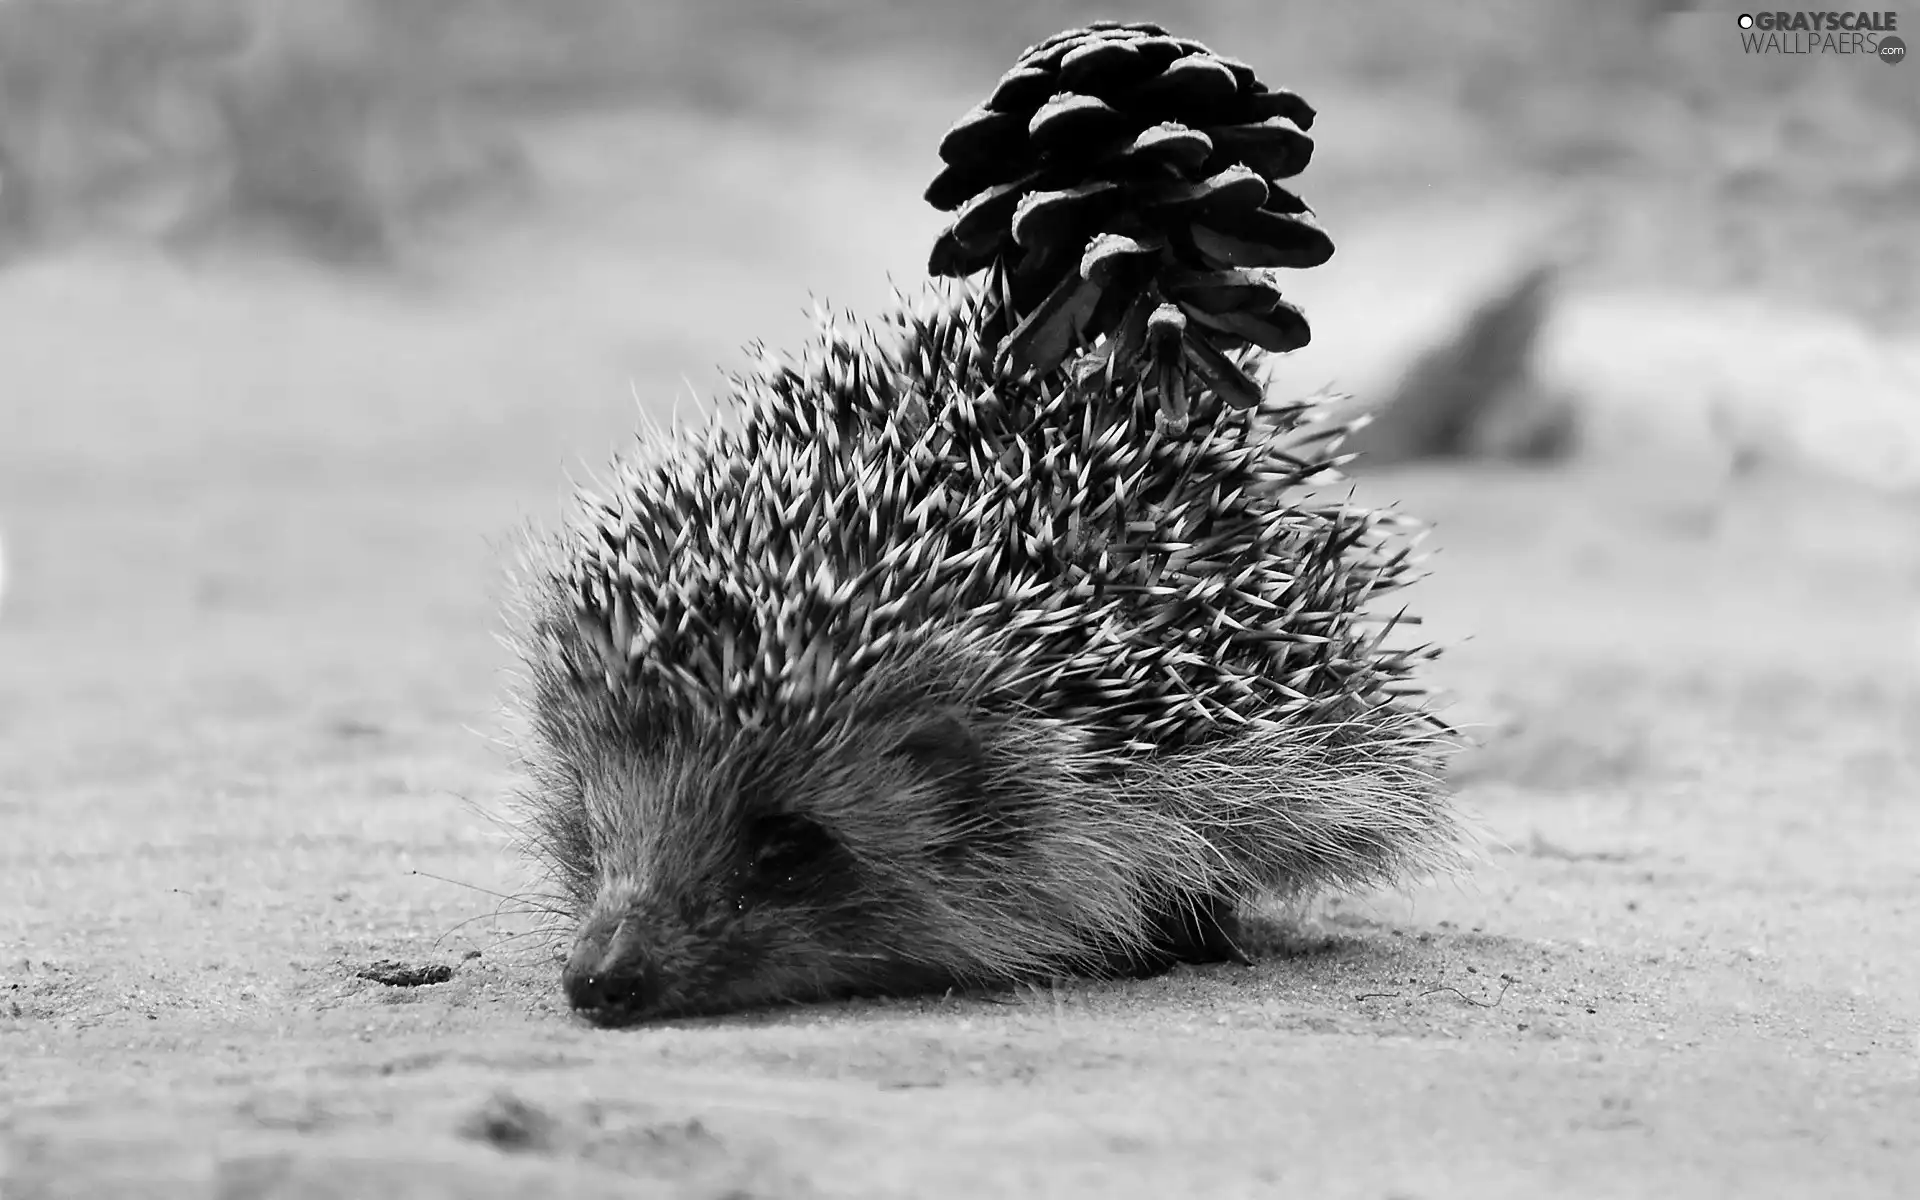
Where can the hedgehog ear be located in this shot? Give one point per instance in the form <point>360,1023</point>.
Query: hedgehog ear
<point>943,744</point>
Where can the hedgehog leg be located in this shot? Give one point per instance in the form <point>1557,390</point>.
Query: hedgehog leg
<point>1204,929</point>
<point>1189,929</point>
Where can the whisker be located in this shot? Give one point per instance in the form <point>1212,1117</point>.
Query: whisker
<point>463,883</point>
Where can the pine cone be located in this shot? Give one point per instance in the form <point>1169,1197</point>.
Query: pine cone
<point>1121,183</point>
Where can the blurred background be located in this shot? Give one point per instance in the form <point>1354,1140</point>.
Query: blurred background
<point>206,181</point>
<point>307,305</point>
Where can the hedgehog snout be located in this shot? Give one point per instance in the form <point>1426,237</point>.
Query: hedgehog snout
<point>611,976</point>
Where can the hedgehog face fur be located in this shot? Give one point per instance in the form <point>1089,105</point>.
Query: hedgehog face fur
<point>907,841</point>
<point>723,870</point>
<point>1015,640</point>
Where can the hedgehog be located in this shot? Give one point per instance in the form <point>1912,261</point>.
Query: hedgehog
<point>1016,635</point>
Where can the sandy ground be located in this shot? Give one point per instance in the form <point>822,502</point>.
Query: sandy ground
<point>253,523</point>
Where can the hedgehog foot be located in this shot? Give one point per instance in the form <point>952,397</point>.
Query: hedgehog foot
<point>1190,930</point>
<point>1206,930</point>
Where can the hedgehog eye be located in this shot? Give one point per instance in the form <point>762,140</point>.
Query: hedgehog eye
<point>787,851</point>
<point>945,747</point>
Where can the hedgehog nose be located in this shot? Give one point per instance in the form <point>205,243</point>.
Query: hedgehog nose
<point>608,976</point>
